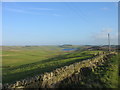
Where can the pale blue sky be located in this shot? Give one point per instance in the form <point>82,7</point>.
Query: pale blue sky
<point>59,23</point>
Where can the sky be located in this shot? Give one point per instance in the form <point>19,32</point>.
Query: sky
<point>57,23</point>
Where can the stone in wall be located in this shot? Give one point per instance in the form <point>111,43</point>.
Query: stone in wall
<point>85,71</point>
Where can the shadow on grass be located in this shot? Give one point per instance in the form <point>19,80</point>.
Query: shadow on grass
<point>59,57</point>
<point>11,78</point>
<point>104,76</point>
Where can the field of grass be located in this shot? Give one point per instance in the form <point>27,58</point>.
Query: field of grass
<point>15,56</point>
<point>23,62</point>
<point>104,76</point>
<point>108,74</point>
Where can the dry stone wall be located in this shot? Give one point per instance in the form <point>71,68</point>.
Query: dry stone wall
<point>49,80</point>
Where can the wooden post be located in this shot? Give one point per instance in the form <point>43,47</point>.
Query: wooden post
<point>108,42</point>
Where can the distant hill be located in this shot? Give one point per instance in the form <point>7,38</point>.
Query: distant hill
<point>66,46</point>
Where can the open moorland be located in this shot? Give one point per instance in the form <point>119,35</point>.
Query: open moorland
<point>20,62</point>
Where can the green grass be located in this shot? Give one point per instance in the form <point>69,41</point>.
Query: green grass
<point>14,56</point>
<point>113,73</point>
<point>104,76</point>
<point>23,62</point>
<point>108,73</point>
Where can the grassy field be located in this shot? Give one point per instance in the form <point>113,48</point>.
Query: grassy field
<point>104,76</point>
<point>108,74</point>
<point>15,56</point>
<point>23,62</point>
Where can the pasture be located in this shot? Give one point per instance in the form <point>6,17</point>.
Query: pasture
<point>22,62</point>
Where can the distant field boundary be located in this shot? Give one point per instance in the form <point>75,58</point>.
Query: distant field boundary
<point>51,79</point>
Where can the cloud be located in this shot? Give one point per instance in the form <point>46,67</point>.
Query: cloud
<point>46,9</point>
<point>103,33</point>
<point>102,36</point>
<point>32,12</point>
<point>107,30</point>
<point>105,8</point>
<point>17,10</point>
<point>56,15</point>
